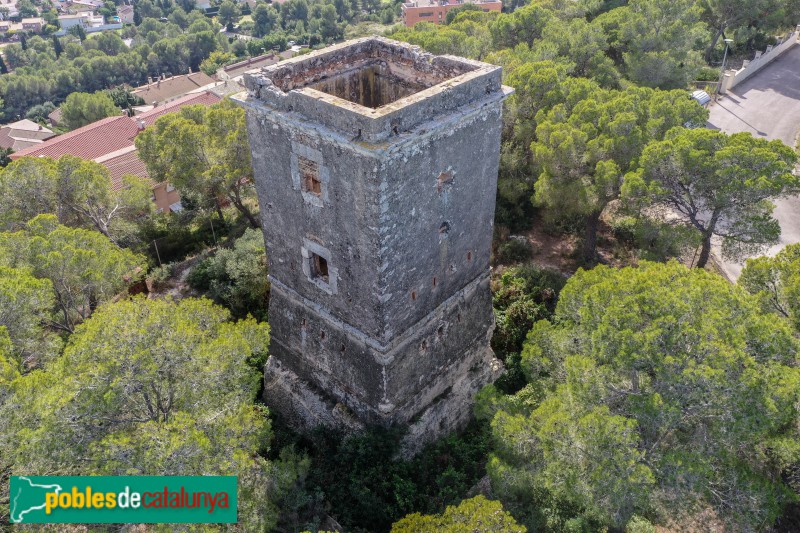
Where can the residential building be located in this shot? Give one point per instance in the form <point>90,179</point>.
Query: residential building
<point>436,10</point>
<point>80,6</point>
<point>163,90</point>
<point>235,71</point>
<point>56,117</point>
<point>32,25</point>
<point>110,142</point>
<point>125,14</point>
<point>68,21</point>
<point>11,5</point>
<point>23,134</point>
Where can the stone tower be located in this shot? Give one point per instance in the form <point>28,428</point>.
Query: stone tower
<point>376,170</point>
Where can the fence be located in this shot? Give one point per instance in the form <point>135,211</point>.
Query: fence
<point>733,78</point>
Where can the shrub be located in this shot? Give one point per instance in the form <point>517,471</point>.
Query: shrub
<point>707,74</point>
<point>158,276</point>
<point>514,250</point>
<point>653,239</point>
<point>236,277</point>
<point>522,296</point>
<point>637,524</point>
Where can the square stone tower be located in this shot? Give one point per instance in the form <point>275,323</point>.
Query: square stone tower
<point>376,170</point>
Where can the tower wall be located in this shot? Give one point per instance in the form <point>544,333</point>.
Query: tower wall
<point>378,228</point>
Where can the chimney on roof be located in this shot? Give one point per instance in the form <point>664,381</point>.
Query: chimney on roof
<point>190,70</point>
<point>159,83</point>
<point>140,124</point>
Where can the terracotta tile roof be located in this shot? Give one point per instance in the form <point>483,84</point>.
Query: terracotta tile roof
<point>23,134</point>
<point>124,162</point>
<point>237,69</point>
<point>90,141</point>
<point>110,141</point>
<point>173,87</point>
<point>16,144</point>
<point>29,126</point>
<point>202,98</point>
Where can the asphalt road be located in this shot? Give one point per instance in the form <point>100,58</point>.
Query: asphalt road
<point>766,105</point>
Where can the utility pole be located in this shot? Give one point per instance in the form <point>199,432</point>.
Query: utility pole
<point>722,70</point>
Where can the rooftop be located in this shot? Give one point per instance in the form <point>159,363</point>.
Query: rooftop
<point>170,88</point>
<point>429,3</point>
<point>110,141</point>
<point>90,141</point>
<point>237,69</point>
<point>372,88</point>
<point>23,134</point>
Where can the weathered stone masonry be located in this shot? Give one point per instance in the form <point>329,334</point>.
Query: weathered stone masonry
<point>376,169</point>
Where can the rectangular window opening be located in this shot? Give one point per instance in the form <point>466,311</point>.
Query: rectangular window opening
<point>309,176</point>
<point>445,178</point>
<point>319,268</point>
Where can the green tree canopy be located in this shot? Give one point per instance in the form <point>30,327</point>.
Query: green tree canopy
<point>229,14</point>
<point>81,109</point>
<point>25,306</point>
<point>584,148</point>
<point>237,277</point>
<point>79,192</point>
<point>215,61</point>
<point>718,184</point>
<point>657,40</point>
<point>204,152</point>
<point>475,514</point>
<point>654,391</point>
<point>265,17</point>
<point>83,266</point>
<point>776,282</point>
<point>150,387</point>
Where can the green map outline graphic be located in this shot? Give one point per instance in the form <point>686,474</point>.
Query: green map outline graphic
<point>17,517</point>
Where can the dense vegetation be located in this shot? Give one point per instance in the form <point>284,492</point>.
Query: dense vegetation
<point>594,84</point>
<point>42,73</point>
<point>638,395</point>
<point>169,38</point>
<point>654,391</point>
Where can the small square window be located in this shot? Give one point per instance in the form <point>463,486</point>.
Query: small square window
<point>445,178</point>
<point>319,268</point>
<point>309,176</point>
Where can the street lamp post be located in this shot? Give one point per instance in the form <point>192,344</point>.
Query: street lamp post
<point>724,59</point>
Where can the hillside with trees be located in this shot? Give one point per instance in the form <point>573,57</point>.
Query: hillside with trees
<point>642,390</point>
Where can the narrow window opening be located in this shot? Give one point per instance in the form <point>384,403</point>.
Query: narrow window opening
<point>343,348</point>
<point>458,318</point>
<point>319,267</point>
<point>303,323</point>
<point>309,175</point>
<point>440,331</point>
<point>469,256</point>
<point>434,282</point>
<point>413,295</point>
<point>424,346</point>
<point>444,228</point>
<point>445,178</point>
<point>322,335</point>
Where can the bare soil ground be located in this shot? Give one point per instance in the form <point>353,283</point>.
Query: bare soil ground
<point>176,287</point>
<point>561,251</point>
